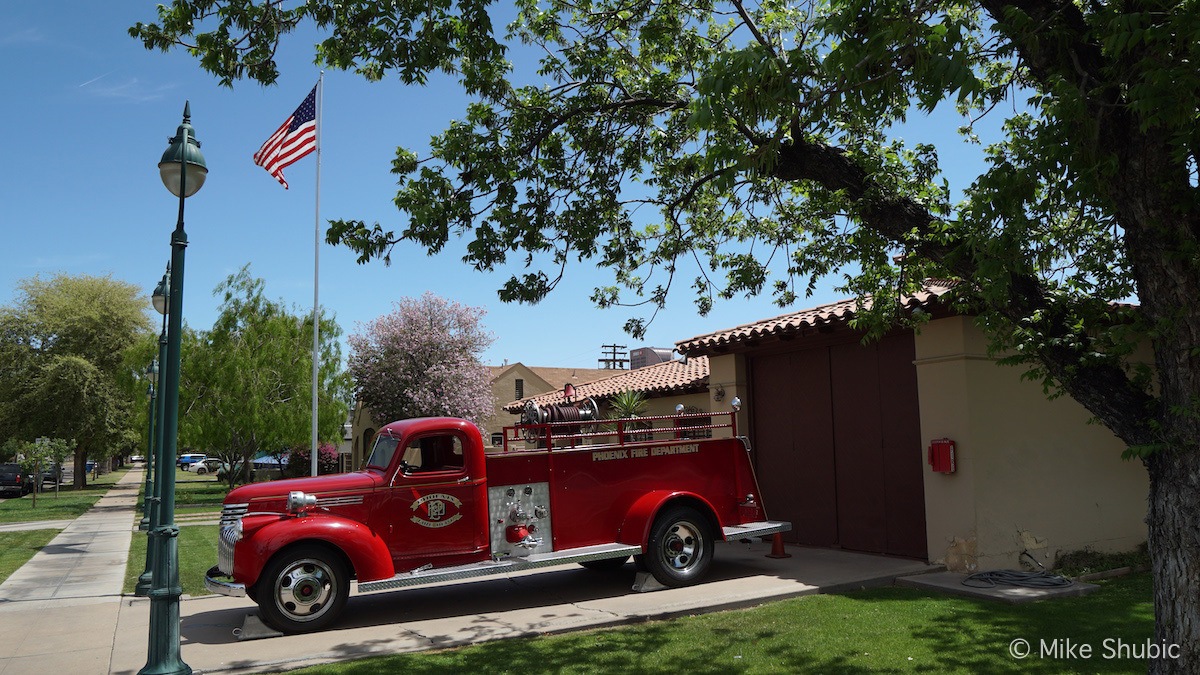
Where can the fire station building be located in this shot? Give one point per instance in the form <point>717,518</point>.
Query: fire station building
<point>919,444</point>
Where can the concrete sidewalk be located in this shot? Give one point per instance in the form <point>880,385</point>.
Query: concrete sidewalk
<point>63,612</point>
<point>58,612</point>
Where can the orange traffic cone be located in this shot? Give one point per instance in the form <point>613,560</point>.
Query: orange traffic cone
<point>777,547</point>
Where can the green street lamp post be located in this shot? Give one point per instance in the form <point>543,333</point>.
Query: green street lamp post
<point>148,491</point>
<point>181,161</point>
<point>159,298</point>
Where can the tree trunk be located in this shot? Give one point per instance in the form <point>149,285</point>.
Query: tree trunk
<point>79,482</point>
<point>1174,542</point>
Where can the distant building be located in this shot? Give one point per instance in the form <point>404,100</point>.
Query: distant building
<point>518,381</point>
<point>648,356</point>
<point>666,384</point>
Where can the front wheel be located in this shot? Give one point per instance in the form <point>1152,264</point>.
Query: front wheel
<point>303,589</point>
<point>680,548</point>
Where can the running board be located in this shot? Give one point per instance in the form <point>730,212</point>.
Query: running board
<point>502,566</point>
<point>759,529</point>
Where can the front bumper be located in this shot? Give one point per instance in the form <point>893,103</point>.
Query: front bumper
<point>217,582</point>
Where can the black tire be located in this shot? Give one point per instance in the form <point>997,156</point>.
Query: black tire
<point>200,471</point>
<point>605,564</point>
<point>680,547</point>
<point>303,589</point>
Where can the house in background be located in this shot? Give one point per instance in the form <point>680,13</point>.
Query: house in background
<point>516,381</point>
<point>839,433</point>
<point>665,384</point>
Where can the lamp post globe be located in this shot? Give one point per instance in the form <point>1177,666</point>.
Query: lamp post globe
<point>183,149</point>
<point>159,298</point>
<point>183,171</point>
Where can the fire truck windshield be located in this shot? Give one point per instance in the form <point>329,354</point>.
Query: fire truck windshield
<point>381,454</point>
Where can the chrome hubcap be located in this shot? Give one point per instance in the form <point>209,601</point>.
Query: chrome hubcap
<point>305,589</point>
<point>681,546</point>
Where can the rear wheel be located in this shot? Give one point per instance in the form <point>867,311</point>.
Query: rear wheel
<point>303,589</point>
<point>680,548</point>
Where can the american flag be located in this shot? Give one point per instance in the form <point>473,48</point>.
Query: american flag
<point>294,139</point>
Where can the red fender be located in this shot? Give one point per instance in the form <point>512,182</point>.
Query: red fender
<point>368,554</point>
<point>635,529</point>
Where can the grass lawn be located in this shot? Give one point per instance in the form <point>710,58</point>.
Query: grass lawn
<point>197,494</point>
<point>885,630</point>
<point>197,553</point>
<point>16,548</point>
<point>67,504</point>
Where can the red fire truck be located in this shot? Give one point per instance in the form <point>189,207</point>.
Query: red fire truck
<point>432,505</point>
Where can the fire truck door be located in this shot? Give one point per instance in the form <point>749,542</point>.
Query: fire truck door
<point>434,504</point>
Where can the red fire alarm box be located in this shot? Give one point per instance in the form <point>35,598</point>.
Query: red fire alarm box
<point>941,455</point>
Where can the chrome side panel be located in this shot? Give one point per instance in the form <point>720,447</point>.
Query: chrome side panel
<point>526,504</point>
<point>507,565</point>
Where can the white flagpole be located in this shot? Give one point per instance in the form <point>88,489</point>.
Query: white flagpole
<point>316,278</point>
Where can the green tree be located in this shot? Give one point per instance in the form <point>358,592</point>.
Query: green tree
<point>753,138</point>
<point>62,363</point>
<point>46,454</point>
<point>246,385</point>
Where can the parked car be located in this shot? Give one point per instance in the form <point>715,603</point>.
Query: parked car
<point>237,469</point>
<point>206,465</point>
<point>51,474</point>
<point>137,458</point>
<point>14,480</point>
<point>190,458</point>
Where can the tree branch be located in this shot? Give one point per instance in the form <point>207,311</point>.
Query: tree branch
<point>1103,388</point>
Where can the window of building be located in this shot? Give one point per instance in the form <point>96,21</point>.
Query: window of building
<point>520,389</point>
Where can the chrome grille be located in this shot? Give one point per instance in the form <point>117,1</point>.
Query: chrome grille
<point>231,532</point>
<point>233,513</point>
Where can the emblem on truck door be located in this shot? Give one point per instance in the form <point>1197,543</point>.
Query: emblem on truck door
<point>436,510</point>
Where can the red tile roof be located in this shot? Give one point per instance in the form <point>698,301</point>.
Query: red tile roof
<point>668,377</point>
<point>797,323</point>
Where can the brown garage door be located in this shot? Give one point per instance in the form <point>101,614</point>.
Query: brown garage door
<point>837,443</point>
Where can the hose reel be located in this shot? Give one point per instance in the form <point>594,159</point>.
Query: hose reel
<point>584,411</point>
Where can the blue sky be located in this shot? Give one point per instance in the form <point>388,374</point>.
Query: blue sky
<point>89,114</point>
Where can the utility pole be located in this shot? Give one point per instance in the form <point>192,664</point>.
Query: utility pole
<point>615,359</point>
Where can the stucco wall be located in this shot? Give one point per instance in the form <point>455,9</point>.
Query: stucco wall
<point>504,390</point>
<point>665,405</point>
<point>1032,475</point>
<point>726,380</point>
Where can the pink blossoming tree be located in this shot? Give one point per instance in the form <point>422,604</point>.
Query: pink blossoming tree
<point>421,360</point>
